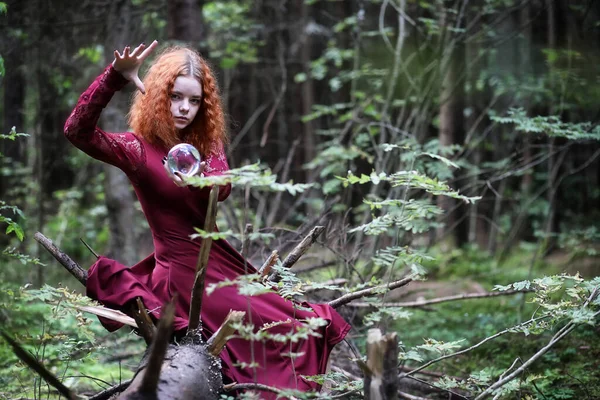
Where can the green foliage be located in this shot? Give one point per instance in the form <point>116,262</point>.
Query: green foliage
<point>12,227</point>
<point>253,176</point>
<point>237,34</point>
<point>550,125</point>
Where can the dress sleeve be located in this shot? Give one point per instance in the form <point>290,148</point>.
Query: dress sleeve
<point>123,150</point>
<point>216,164</point>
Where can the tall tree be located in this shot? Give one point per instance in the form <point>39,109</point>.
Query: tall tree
<point>184,21</point>
<point>451,112</point>
<point>118,196</point>
<point>13,86</point>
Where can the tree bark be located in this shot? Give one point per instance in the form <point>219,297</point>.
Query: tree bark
<point>184,21</point>
<point>118,196</point>
<point>452,124</point>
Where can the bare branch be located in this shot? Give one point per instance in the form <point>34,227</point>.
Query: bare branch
<point>108,393</point>
<point>198,288</point>
<point>89,248</point>
<point>421,303</point>
<point>300,249</point>
<point>158,349</point>
<point>38,367</point>
<point>265,270</point>
<point>555,339</point>
<point>79,273</point>
<point>217,341</point>
<point>427,364</point>
<point>347,298</point>
<point>246,243</point>
<point>254,386</point>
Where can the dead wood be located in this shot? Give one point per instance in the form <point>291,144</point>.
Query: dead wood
<point>219,339</point>
<point>381,381</point>
<point>143,321</point>
<point>265,269</point>
<point>299,250</point>
<point>422,303</point>
<point>246,242</point>
<point>347,298</point>
<point>79,273</point>
<point>111,391</point>
<point>109,313</point>
<point>198,288</point>
<point>158,348</point>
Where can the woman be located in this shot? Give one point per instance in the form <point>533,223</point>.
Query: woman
<point>179,102</point>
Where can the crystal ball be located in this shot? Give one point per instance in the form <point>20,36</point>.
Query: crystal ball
<point>184,158</point>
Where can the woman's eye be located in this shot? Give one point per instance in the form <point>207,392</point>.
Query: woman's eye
<point>174,96</point>
<point>195,101</point>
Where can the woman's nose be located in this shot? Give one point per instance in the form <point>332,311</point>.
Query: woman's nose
<point>184,106</point>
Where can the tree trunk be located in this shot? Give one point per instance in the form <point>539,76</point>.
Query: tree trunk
<point>184,21</point>
<point>118,196</point>
<point>13,85</point>
<point>451,129</point>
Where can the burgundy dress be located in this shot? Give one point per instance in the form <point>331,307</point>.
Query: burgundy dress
<point>172,213</point>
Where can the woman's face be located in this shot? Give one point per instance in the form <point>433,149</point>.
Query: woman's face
<point>186,98</point>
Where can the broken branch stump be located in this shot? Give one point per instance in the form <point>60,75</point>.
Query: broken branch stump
<point>381,381</point>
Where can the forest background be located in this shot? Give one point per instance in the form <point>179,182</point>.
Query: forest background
<point>453,143</point>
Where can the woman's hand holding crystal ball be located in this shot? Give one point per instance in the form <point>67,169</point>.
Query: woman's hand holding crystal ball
<point>183,161</point>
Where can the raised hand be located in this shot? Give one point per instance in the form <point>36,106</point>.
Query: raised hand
<point>128,63</point>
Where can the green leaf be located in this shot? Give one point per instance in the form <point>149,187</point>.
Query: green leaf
<point>301,77</point>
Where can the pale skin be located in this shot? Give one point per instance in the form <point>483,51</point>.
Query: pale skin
<point>186,96</point>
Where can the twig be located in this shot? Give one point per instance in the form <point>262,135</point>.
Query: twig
<point>555,339</point>
<point>38,367</point>
<point>427,364</point>
<point>158,348</point>
<point>79,273</point>
<point>143,321</point>
<point>108,393</point>
<point>347,298</point>
<point>299,250</point>
<point>302,247</point>
<point>198,288</point>
<point>253,386</point>
<point>265,270</point>
<point>217,341</point>
<point>246,243</point>
<point>89,248</point>
<point>420,303</point>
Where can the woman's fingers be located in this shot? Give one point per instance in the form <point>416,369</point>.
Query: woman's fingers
<point>139,84</point>
<point>135,51</point>
<point>148,50</point>
<point>201,168</point>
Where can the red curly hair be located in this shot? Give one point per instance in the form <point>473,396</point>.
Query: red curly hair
<point>150,114</point>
